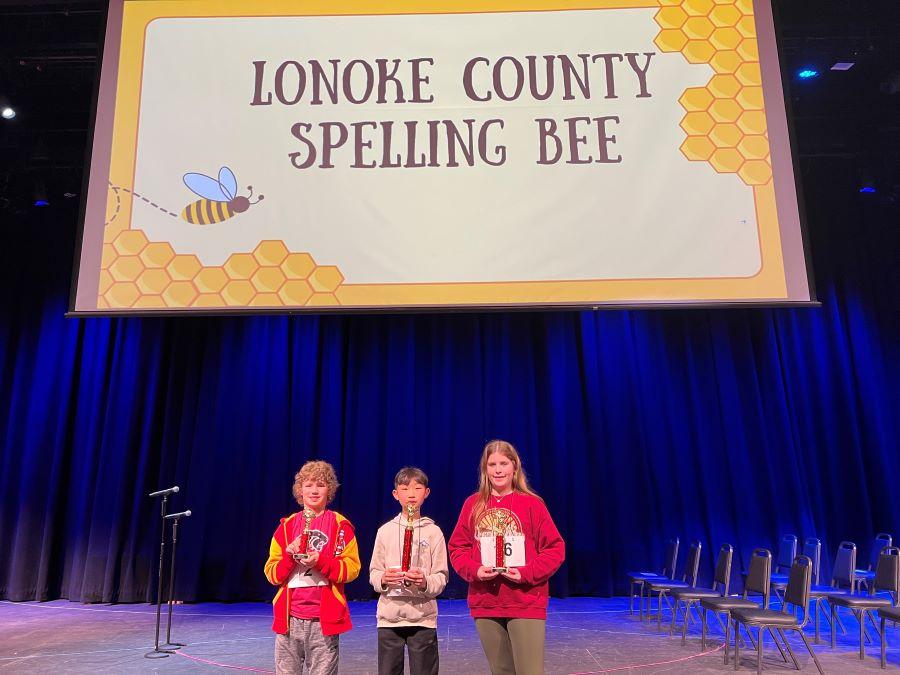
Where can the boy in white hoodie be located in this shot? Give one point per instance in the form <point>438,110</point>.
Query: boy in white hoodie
<point>407,609</point>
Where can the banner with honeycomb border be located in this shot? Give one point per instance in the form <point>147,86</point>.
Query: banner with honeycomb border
<point>351,155</point>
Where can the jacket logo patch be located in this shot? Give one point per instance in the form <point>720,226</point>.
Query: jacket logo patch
<point>317,540</point>
<point>341,544</point>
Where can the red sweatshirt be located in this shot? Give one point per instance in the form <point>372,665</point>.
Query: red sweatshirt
<point>545,551</point>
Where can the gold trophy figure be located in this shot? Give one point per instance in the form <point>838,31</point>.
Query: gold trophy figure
<point>302,554</point>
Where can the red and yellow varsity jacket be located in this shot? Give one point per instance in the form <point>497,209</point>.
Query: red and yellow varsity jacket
<point>340,568</point>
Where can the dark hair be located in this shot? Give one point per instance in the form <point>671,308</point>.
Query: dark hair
<point>408,474</point>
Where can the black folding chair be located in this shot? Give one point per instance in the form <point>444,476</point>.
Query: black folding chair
<point>864,577</point>
<point>787,551</point>
<point>842,576</point>
<point>757,582</point>
<point>637,579</point>
<point>796,595</point>
<point>688,596</point>
<point>812,549</point>
<point>662,587</point>
<point>886,614</point>
<point>887,580</point>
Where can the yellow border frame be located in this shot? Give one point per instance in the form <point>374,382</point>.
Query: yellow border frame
<point>768,283</point>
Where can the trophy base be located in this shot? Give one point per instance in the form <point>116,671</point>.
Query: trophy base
<point>301,557</point>
<point>501,570</point>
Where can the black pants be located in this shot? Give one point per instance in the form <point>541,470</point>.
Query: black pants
<point>422,645</point>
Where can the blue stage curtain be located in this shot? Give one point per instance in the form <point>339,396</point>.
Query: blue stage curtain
<point>731,425</point>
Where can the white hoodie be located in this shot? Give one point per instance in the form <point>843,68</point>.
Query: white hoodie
<point>399,605</point>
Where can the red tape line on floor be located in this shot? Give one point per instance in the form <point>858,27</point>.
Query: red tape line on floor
<point>222,665</point>
<point>585,672</point>
<point>650,665</point>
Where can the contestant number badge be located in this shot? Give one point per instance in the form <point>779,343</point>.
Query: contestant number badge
<point>502,545</point>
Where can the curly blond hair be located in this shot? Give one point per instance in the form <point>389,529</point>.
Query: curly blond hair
<point>315,470</point>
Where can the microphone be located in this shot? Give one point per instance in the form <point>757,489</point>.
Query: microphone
<point>179,515</point>
<point>162,493</point>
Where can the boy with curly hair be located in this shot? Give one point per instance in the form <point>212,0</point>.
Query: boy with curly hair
<point>310,605</point>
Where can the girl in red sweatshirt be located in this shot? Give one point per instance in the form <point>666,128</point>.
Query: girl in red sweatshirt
<point>507,522</point>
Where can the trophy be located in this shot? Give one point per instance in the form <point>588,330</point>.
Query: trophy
<point>407,538</point>
<point>303,548</point>
<point>500,544</point>
<point>406,559</point>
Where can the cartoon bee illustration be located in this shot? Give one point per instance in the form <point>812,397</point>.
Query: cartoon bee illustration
<point>219,200</point>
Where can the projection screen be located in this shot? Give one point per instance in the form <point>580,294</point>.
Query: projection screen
<point>282,156</point>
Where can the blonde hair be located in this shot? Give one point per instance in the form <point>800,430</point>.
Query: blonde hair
<point>315,470</point>
<point>519,480</point>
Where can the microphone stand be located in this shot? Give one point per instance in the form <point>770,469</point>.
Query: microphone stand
<point>158,653</point>
<point>175,517</point>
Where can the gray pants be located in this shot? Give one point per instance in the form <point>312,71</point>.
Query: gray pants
<point>513,646</point>
<point>305,645</point>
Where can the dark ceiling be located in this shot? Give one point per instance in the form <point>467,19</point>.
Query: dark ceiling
<point>847,123</point>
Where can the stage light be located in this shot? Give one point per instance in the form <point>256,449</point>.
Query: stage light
<point>843,65</point>
<point>41,202</point>
<point>7,113</point>
<point>868,190</point>
<point>807,73</point>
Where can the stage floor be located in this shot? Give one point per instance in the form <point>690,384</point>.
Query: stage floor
<point>584,635</point>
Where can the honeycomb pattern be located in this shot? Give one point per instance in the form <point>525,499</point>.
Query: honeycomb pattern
<point>724,121</point>
<point>138,273</point>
